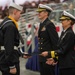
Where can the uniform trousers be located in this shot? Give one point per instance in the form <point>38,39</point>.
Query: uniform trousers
<point>68,71</point>
<point>46,69</point>
<point>5,70</point>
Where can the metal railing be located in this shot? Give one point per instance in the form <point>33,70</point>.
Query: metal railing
<point>28,18</point>
<point>31,18</point>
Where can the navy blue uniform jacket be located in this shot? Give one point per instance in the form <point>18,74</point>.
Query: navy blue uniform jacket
<point>66,50</point>
<point>10,39</point>
<point>48,38</point>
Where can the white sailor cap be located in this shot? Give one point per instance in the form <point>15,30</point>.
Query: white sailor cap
<point>43,7</point>
<point>67,15</point>
<point>18,7</point>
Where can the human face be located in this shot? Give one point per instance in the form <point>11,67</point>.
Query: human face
<point>66,23</point>
<point>17,15</point>
<point>42,15</point>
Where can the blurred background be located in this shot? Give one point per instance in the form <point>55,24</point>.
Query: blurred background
<point>29,25</point>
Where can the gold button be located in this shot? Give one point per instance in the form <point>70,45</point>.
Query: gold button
<point>41,48</point>
<point>41,43</point>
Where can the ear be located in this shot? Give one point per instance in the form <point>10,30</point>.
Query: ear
<point>46,13</point>
<point>15,11</point>
<point>70,20</point>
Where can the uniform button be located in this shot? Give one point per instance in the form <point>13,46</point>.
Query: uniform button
<point>41,43</point>
<point>41,48</point>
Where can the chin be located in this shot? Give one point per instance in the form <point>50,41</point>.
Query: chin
<point>39,17</point>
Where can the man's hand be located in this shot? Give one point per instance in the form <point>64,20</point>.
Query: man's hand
<point>26,55</point>
<point>44,54</point>
<point>13,71</point>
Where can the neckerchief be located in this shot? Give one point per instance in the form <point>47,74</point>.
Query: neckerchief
<point>13,21</point>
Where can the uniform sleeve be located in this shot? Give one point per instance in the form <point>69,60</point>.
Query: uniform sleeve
<point>67,43</point>
<point>9,43</point>
<point>52,35</point>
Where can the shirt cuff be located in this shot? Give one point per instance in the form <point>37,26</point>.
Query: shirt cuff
<point>11,67</point>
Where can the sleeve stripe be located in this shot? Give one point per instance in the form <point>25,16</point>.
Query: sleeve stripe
<point>53,54</point>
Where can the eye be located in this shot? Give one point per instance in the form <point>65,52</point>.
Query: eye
<point>63,20</point>
<point>39,11</point>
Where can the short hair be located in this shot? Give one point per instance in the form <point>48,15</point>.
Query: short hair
<point>11,9</point>
<point>48,12</point>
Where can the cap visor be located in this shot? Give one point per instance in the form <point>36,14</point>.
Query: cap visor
<point>63,17</point>
<point>39,10</point>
